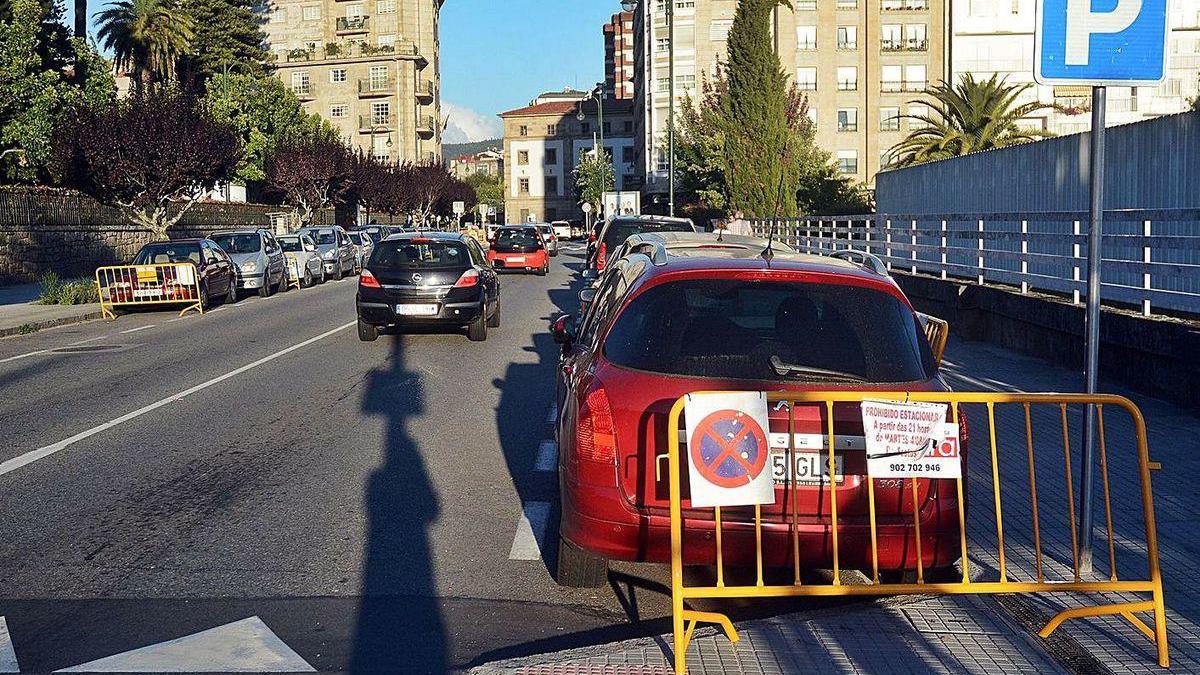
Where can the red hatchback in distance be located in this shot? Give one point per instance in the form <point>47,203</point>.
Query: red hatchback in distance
<point>669,321</point>
<point>519,248</point>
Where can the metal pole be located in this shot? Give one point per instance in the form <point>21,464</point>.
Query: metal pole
<point>1095,234</point>
<point>671,104</point>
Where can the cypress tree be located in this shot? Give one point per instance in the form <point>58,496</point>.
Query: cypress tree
<point>228,35</point>
<point>757,140</point>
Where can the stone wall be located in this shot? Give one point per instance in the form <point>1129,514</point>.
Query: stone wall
<point>64,232</point>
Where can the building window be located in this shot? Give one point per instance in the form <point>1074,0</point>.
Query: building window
<point>278,15</point>
<point>847,37</point>
<point>525,214</point>
<point>551,156</point>
<point>891,79</point>
<point>386,41</point>
<point>847,78</point>
<point>338,111</point>
<point>890,37</point>
<point>806,5</point>
<point>312,13</point>
<point>806,78</point>
<point>585,128</point>
<point>522,130</point>
<point>662,45</point>
<point>337,75</point>
<point>917,113</point>
<point>914,78</point>
<point>847,119</point>
<point>385,6</point>
<point>847,4</point>
<point>806,38</point>
<point>523,186</point>
<point>522,157</point>
<point>552,186</point>
<point>379,77</point>
<point>627,126</point>
<point>627,155</point>
<point>300,82</point>
<point>889,119</point>
<point>718,30</point>
<point>915,37</point>
<point>551,129</point>
<point>381,113</point>
<point>663,85</point>
<point>847,161</point>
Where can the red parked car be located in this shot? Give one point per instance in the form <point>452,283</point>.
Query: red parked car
<point>519,247</point>
<point>674,320</point>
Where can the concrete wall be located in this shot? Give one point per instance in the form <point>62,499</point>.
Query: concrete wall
<point>1151,356</point>
<point>51,231</point>
<point>1151,165</point>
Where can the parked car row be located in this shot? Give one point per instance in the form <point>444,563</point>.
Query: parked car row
<point>672,311</point>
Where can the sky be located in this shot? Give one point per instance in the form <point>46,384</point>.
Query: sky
<point>499,54</point>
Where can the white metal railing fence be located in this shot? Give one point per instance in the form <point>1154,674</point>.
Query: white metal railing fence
<point>1151,258</point>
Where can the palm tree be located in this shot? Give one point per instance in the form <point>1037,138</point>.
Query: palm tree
<point>970,116</point>
<point>81,19</point>
<point>147,36</point>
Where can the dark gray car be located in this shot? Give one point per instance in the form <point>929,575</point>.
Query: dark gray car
<point>257,257</point>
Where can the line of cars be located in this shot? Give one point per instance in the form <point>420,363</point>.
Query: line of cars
<point>672,311</point>
<point>254,260</point>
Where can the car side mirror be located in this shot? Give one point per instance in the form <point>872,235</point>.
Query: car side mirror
<point>586,297</point>
<point>563,329</point>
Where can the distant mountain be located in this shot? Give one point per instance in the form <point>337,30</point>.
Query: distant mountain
<point>451,150</point>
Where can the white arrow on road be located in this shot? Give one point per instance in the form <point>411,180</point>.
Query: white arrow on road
<point>242,646</point>
<point>8,655</point>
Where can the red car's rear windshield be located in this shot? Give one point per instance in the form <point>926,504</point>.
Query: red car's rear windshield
<point>522,240</point>
<point>785,331</point>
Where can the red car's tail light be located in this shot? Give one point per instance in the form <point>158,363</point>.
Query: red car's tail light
<point>368,280</point>
<point>468,279</point>
<point>596,435</point>
<point>600,255</point>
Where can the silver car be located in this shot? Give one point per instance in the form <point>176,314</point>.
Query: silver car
<point>336,249</point>
<point>363,246</point>
<point>303,261</point>
<point>550,237</point>
<point>257,257</point>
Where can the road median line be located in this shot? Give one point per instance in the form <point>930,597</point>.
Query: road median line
<point>43,452</point>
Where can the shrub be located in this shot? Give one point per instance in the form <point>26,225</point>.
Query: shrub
<point>55,291</point>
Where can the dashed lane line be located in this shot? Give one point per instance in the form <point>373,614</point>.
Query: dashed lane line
<point>531,532</point>
<point>34,455</point>
<point>547,456</point>
<point>134,330</point>
<point>8,655</point>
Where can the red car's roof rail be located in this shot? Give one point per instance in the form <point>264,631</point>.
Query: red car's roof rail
<point>870,261</point>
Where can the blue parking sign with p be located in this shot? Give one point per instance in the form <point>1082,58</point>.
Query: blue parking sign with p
<point>1101,42</point>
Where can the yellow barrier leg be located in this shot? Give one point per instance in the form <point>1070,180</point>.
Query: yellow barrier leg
<point>1160,626</point>
<point>1125,609</point>
<point>711,617</point>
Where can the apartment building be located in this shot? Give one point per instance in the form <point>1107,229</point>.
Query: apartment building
<point>618,55</point>
<point>861,63</point>
<point>370,67</point>
<point>490,162</point>
<point>543,143</point>
<point>997,36</point>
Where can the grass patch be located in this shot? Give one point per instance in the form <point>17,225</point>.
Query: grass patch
<point>56,291</point>
<point>26,329</point>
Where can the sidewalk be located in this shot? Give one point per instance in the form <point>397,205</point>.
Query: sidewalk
<point>18,314</point>
<point>981,634</point>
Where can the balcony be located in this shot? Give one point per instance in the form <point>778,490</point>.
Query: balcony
<point>352,49</point>
<point>371,87</point>
<point>847,46</point>
<point>891,86</point>
<point>848,85</point>
<point>847,127</point>
<point>907,45</point>
<point>351,25</point>
<point>426,126</point>
<point>904,5</point>
<point>375,123</point>
<point>425,91</point>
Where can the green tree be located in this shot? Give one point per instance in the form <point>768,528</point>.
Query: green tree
<point>594,175</point>
<point>36,91</point>
<point>969,116</point>
<point>760,162</point>
<point>489,189</point>
<point>265,113</point>
<point>147,36</point>
<point>228,38</point>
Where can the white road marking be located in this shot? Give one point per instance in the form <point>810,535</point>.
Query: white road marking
<point>547,457</point>
<point>175,319</point>
<point>134,330</point>
<point>25,355</point>
<point>91,339</point>
<point>242,646</point>
<point>34,455</point>
<point>8,655</point>
<point>552,416</point>
<point>222,307</point>
<point>531,532</point>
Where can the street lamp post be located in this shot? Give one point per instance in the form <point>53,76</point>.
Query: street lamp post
<point>598,94</point>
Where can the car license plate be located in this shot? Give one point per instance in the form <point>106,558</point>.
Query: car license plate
<point>416,310</point>
<point>147,292</point>
<point>811,468</point>
<point>518,259</point>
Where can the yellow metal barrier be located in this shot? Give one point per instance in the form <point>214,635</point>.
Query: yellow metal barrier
<point>144,285</point>
<point>937,332</point>
<point>685,619</point>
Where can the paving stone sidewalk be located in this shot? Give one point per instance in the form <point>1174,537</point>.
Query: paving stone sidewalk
<point>979,634</point>
<point>18,313</point>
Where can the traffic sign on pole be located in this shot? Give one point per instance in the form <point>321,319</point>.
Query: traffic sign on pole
<point>1121,44</point>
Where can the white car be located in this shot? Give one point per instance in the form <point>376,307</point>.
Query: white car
<point>303,261</point>
<point>562,229</point>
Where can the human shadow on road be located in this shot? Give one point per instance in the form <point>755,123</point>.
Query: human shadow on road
<point>399,627</point>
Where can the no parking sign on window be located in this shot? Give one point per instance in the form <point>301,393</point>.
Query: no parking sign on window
<point>727,449</point>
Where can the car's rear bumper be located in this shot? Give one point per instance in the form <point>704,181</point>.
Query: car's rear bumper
<point>449,313</point>
<point>619,532</point>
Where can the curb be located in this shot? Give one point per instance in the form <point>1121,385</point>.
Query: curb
<point>51,323</point>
